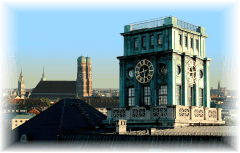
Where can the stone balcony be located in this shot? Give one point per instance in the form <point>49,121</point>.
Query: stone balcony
<point>166,116</point>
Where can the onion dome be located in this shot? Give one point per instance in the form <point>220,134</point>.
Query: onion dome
<point>89,60</point>
<point>81,59</point>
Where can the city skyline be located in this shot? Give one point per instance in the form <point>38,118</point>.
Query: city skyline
<point>56,37</point>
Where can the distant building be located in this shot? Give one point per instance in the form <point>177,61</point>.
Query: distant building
<point>82,87</point>
<point>24,106</point>
<point>219,92</point>
<point>21,86</point>
<point>20,119</point>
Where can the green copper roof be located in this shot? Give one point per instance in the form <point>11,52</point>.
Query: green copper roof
<point>27,116</point>
<point>81,59</point>
<point>89,59</point>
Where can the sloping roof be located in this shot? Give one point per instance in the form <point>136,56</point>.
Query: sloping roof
<point>55,87</point>
<point>65,115</point>
<point>27,116</point>
<point>104,104</point>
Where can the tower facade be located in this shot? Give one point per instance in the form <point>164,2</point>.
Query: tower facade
<point>166,64</point>
<point>89,75</point>
<point>84,77</point>
<point>21,86</point>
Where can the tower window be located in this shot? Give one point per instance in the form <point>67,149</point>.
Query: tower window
<point>180,39</point>
<point>200,97</point>
<point>190,93</point>
<point>146,94</point>
<point>186,41</point>
<point>160,40</point>
<point>131,96</point>
<point>196,44</point>
<point>178,98</point>
<point>151,42</point>
<point>143,43</point>
<point>192,43</point>
<point>163,95</point>
<point>136,44</point>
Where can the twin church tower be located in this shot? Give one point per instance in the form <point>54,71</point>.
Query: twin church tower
<point>84,77</point>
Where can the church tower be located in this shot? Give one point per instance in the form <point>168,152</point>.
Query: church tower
<point>21,86</point>
<point>81,84</point>
<point>43,76</point>
<point>89,75</point>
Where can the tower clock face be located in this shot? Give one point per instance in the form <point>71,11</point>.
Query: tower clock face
<point>191,71</point>
<point>144,71</point>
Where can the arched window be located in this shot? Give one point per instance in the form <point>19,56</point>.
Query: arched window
<point>24,138</point>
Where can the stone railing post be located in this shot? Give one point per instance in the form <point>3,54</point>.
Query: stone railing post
<point>206,109</point>
<point>177,112</point>
<point>191,112</point>
<point>219,114</point>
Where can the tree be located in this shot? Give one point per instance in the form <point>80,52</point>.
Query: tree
<point>47,101</point>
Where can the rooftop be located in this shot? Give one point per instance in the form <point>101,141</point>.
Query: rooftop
<point>162,21</point>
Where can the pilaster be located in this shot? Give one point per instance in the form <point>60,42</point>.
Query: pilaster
<point>123,90</point>
<point>184,81</point>
<point>206,101</point>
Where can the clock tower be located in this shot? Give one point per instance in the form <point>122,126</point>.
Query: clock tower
<point>164,75</point>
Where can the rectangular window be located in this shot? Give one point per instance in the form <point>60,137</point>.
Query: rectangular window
<point>200,97</point>
<point>190,92</point>
<point>136,44</point>
<point>131,96</point>
<point>192,43</point>
<point>151,42</point>
<point>143,43</point>
<point>146,95</point>
<point>186,41</point>
<point>160,40</point>
<point>163,95</point>
<point>196,44</point>
<point>178,98</point>
<point>180,39</point>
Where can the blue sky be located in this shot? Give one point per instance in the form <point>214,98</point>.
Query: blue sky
<point>55,38</point>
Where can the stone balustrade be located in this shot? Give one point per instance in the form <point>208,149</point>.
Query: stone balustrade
<point>170,113</point>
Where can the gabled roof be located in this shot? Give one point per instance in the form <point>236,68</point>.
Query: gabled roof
<point>34,111</point>
<point>55,87</point>
<point>65,115</point>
